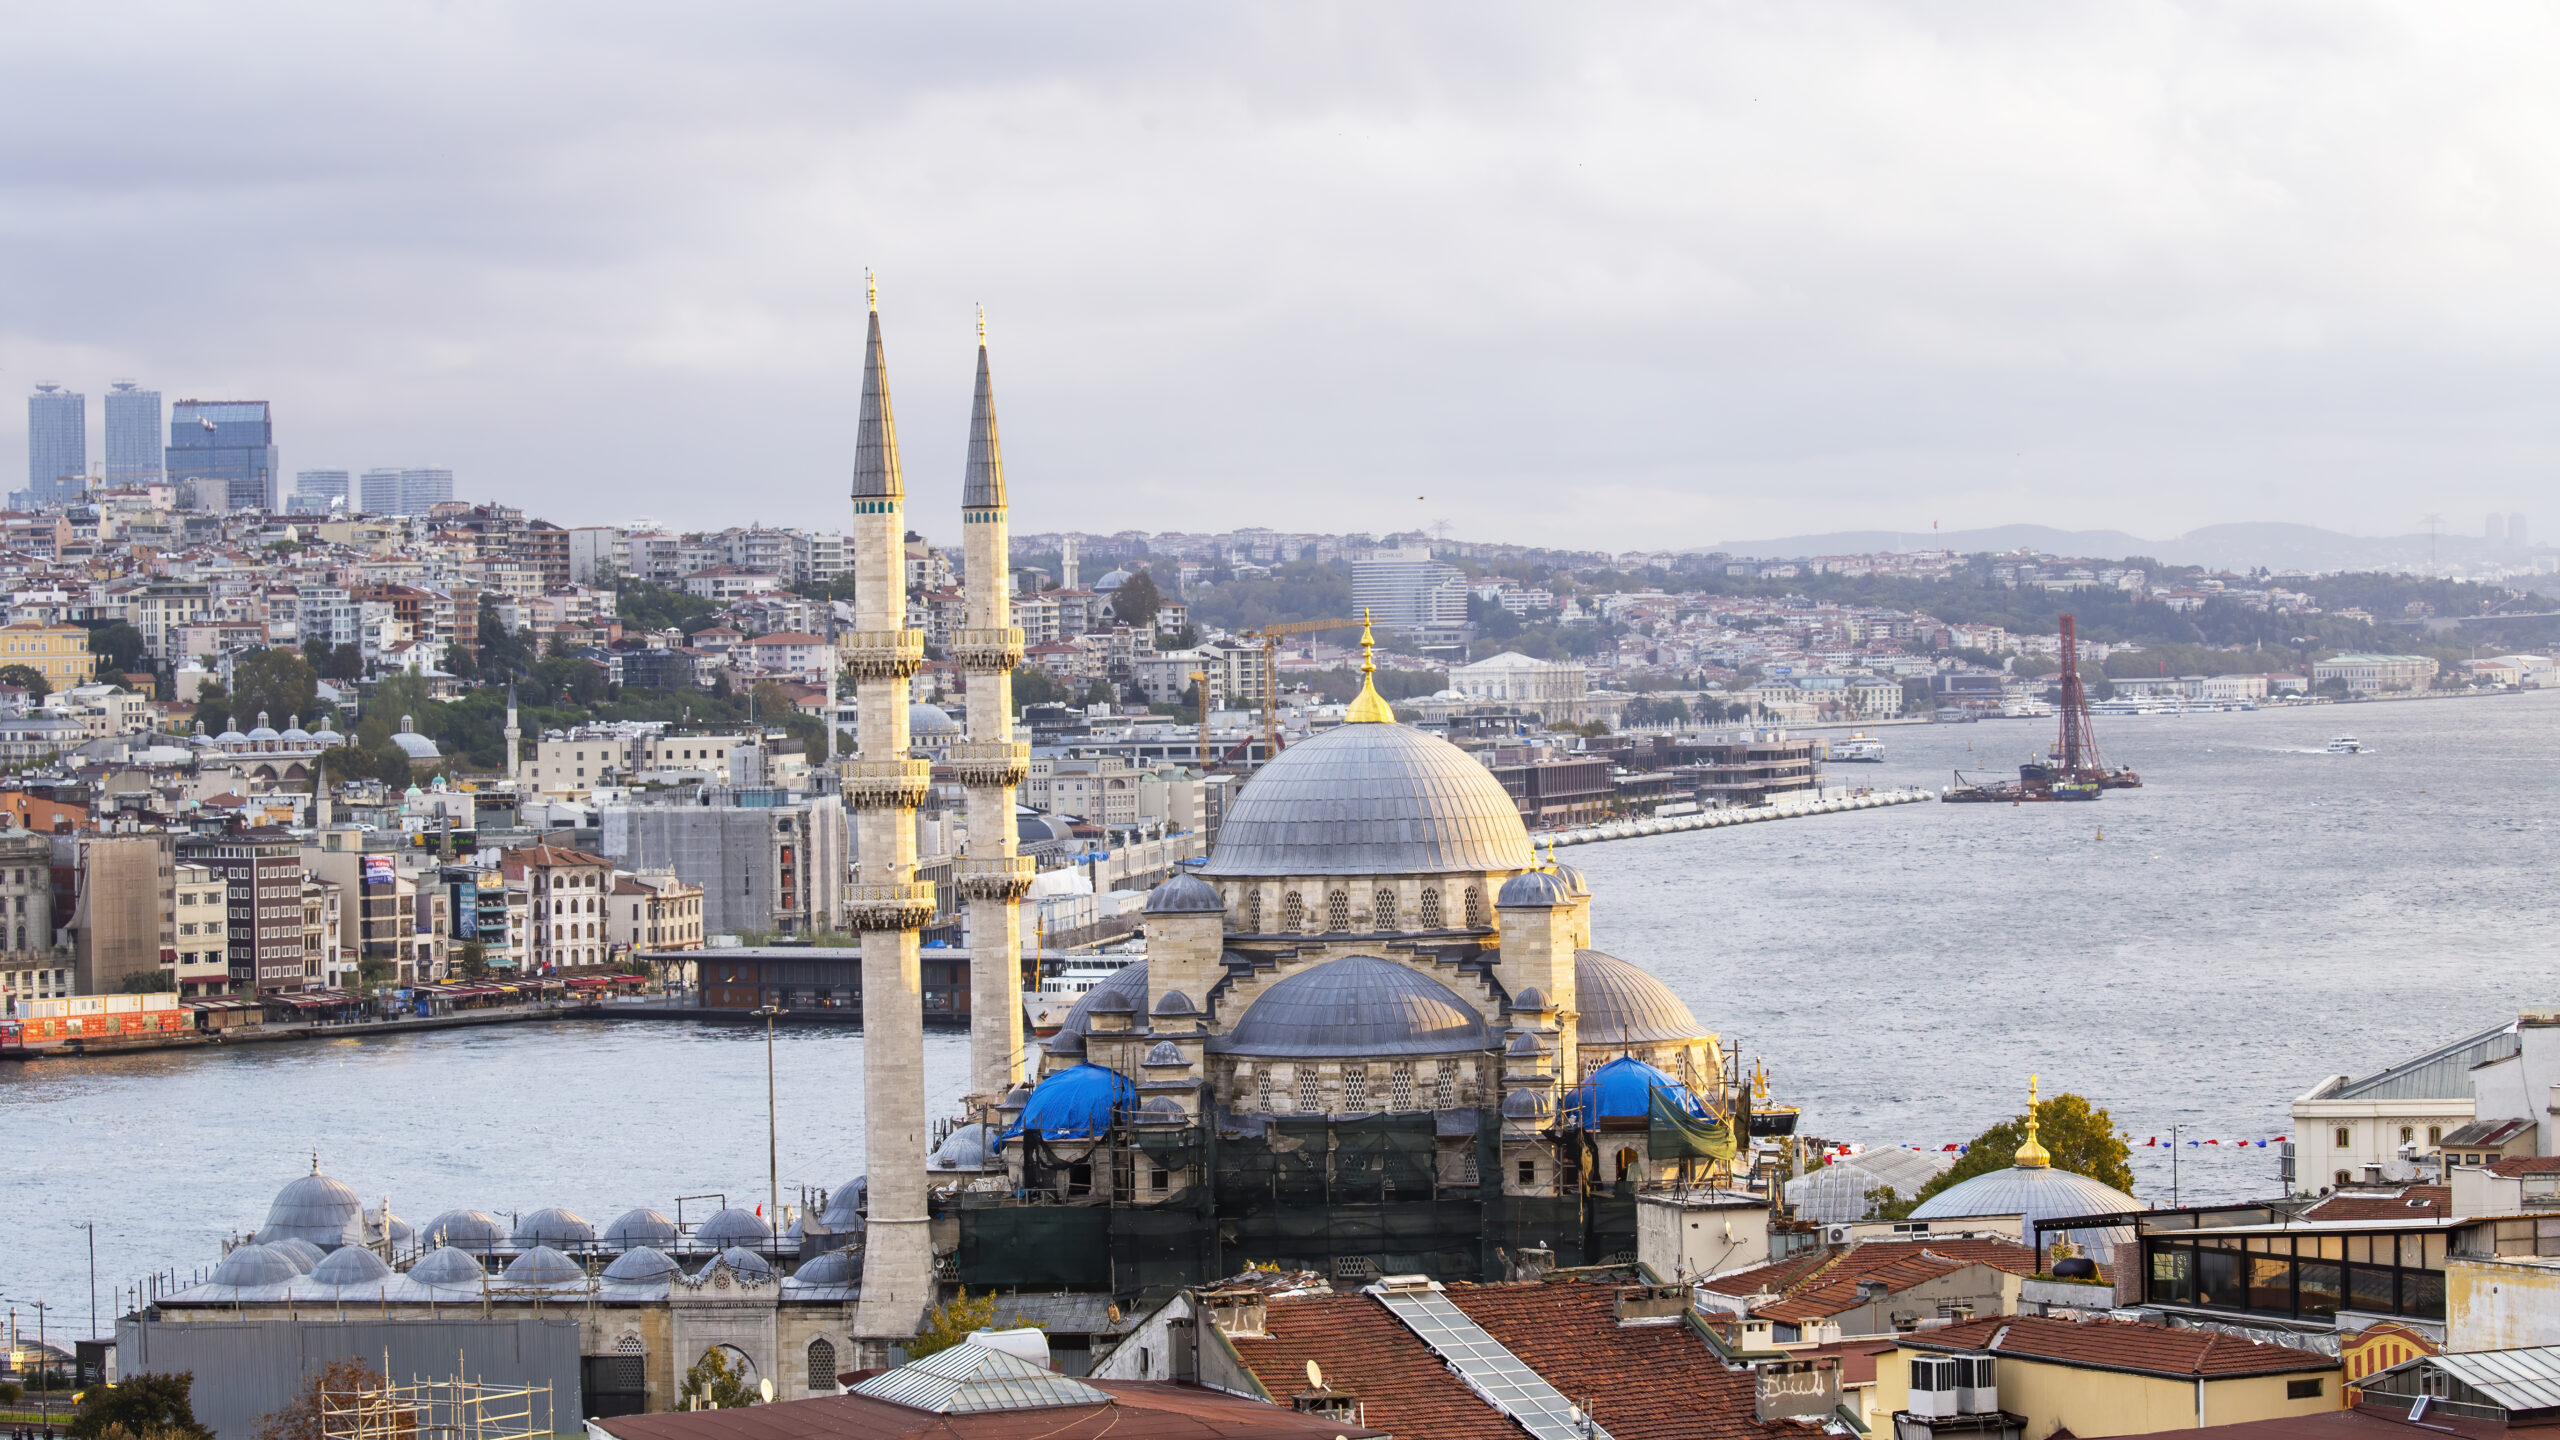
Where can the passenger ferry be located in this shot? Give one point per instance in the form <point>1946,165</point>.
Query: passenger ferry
<point>2346,745</point>
<point>1065,979</point>
<point>1858,749</point>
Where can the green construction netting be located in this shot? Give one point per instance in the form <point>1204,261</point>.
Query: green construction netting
<point>1060,1247</point>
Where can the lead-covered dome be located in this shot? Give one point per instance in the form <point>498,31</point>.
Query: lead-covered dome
<point>315,1208</point>
<point>736,1225</point>
<point>351,1265</point>
<point>1371,799</point>
<point>1617,1004</point>
<point>559,1228</point>
<point>2038,1192</point>
<point>640,1228</point>
<point>1358,1005</point>
<point>1185,894</point>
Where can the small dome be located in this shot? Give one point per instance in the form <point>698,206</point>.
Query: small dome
<point>1123,989</point>
<point>1358,1006</point>
<point>924,719</point>
<point>2037,1192</point>
<point>1162,1110</point>
<point>314,1208</point>
<point>1185,894</point>
<point>845,1204</point>
<point>639,1228</point>
<point>560,1229</point>
<point>836,1267</point>
<point>1015,1098</point>
<point>1164,1053</point>
<point>447,1266</point>
<point>1525,1043</point>
<point>1623,1090</point>
<point>413,744</point>
<point>325,736</point>
<point>252,1265</point>
<point>731,1227</point>
<point>1574,884</point>
<point>1619,1004</point>
<point>543,1265</point>
<point>639,1265</point>
<point>466,1229</point>
<point>231,736</point>
<point>1532,890</point>
<point>743,1261</point>
<point>352,1265</point>
<point>263,730</point>
<point>1111,580</point>
<point>294,733</point>
<point>1075,1104</point>
<point>1529,999</point>
<point>965,1148</point>
<point>1175,1005</point>
<point>305,1256</point>
<point>1525,1105</point>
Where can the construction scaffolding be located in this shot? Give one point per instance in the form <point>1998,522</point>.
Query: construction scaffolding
<point>455,1409</point>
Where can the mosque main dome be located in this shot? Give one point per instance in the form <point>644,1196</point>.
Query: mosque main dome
<point>1367,799</point>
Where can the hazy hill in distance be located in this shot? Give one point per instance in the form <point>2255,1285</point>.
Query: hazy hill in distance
<point>2276,545</point>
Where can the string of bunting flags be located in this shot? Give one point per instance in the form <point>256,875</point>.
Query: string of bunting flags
<point>1836,1152</point>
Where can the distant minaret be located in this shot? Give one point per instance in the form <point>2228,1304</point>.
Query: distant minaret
<point>992,878</point>
<point>883,787</point>
<point>513,734</point>
<point>1067,563</point>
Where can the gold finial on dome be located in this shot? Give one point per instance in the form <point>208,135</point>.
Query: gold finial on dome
<point>2032,1156</point>
<point>1368,707</point>
<point>871,289</point>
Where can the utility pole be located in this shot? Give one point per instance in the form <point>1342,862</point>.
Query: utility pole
<point>92,1227</point>
<point>772,1131</point>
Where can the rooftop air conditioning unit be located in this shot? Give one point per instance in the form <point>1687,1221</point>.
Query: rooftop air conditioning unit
<point>1977,1389</point>
<point>1933,1387</point>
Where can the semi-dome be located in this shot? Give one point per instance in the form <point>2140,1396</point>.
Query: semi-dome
<point>1532,890</point>
<point>1618,1004</point>
<point>1126,986</point>
<point>733,1226</point>
<point>1357,1006</point>
<point>466,1229</point>
<point>1185,894</point>
<point>1077,1103</point>
<point>251,1265</point>
<point>447,1266</point>
<point>543,1265</point>
<point>1623,1090</point>
<point>638,1228</point>
<point>315,1208</point>
<point>1371,799</point>
<point>639,1265</point>
<point>560,1229</point>
<point>305,1256</point>
<point>352,1265</point>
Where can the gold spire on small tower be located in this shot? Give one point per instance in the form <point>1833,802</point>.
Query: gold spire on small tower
<point>871,287</point>
<point>1368,707</point>
<point>2032,1156</point>
<point>982,327</point>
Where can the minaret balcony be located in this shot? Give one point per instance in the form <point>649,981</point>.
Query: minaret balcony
<point>987,652</point>
<point>886,784</point>
<point>881,654</point>
<point>984,764</point>
<point>1001,877</point>
<point>890,907</point>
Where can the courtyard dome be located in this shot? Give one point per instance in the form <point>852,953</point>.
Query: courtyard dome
<point>846,1202</point>
<point>263,731</point>
<point>560,1229</point>
<point>1356,1006</point>
<point>1371,799</point>
<point>467,1230</point>
<point>352,1265</point>
<point>1618,1004</point>
<point>639,1228</point>
<point>743,1261</point>
<point>924,720</point>
<point>447,1266</point>
<point>639,1265</point>
<point>252,1265</point>
<point>304,1255</point>
<point>733,1226</point>
<point>965,1148</point>
<point>543,1265</point>
<point>314,1208</point>
<point>1185,894</point>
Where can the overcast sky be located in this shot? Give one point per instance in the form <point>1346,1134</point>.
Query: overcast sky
<point>1589,274</point>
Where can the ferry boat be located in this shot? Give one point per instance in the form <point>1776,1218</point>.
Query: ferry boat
<point>2026,710</point>
<point>1859,749</point>
<point>1065,979</point>
<point>2346,745</point>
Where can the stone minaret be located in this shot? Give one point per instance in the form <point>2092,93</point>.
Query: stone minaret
<point>514,735</point>
<point>990,763</point>
<point>883,787</point>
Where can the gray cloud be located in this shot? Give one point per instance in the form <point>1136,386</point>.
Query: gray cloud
<point>1616,275</point>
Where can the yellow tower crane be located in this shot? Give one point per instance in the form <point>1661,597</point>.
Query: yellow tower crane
<point>1270,636</point>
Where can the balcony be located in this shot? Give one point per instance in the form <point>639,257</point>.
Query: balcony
<point>881,654</point>
<point>890,907</point>
<point>986,652</point>
<point>989,763</point>
<point>886,784</point>
<point>1003,877</point>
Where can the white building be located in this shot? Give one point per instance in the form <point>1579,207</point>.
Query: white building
<point>1555,689</point>
<point>1407,590</point>
<point>2375,674</point>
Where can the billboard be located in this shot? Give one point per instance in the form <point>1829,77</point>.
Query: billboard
<point>378,871</point>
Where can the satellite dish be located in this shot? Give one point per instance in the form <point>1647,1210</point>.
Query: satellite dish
<point>1315,1377</point>
<point>764,1388</point>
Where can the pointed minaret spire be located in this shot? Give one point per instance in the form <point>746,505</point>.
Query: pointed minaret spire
<point>983,487</point>
<point>875,443</point>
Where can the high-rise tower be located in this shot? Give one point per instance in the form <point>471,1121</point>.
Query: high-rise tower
<point>57,444</point>
<point>990,763</point>
<point>883,786</point>
<point>134,455</point>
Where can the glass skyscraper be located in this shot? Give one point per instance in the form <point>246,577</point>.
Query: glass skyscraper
<point>420,489</point>
<point>314,491</point>
<point>380,493</point>
<point>57,445</point>
<point>225,450</point>
<point>133,435</point>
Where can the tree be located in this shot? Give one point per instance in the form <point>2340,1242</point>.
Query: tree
<point>141,1405</point>
<point>472,959</point>
<point>213,707</point>
<point>119,648</point>
<point>278,684</point>
<point>27,678</point>
<point>718,1384</point>
<point>338,1383</point>
<point>2081,1139</point>
<point>951,1322</point>
<point>402,693</point>
<point>1136,603</point>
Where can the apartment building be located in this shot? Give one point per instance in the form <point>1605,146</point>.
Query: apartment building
<point>568,889</point>
<point>654,911</point>
<point>202,955</point>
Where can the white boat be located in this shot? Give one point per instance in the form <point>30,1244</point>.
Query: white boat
<point>2346,745</point>
<point>1065,979</point>
<point>1857,749</point>
<point>2026,710</point>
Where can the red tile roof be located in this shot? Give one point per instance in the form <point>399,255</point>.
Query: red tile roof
<point>1825,1283</point>
<point>1363,1351</point>
<point>2416,1202</point>
<point>514,863</point>
<point>2515,1165</point>
<point>1141,1410</point>
<point>2120,1345</point>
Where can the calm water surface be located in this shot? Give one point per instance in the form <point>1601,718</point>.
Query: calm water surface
<point>2197,953</point>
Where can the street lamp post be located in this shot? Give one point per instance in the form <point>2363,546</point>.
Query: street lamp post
<point>772,1130</point>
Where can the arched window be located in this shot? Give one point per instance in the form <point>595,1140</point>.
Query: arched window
<point>1431,908</point>
<point>1310,1091</point>
<point>1626,1161</point>
<point>1355,1089</point>
<point>1400,1086</point>
<point>1253,910</point>
<point>1444,1087</point>
<point>630,1345</point>
<point>822,1366</point>
<point>1382,909</point>
<point>1262,1091</point>
<point>1475,907</point>
<point>1337,913</point>
<point>1293,912</point>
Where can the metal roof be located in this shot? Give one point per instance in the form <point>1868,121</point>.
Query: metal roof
<point>543,1265</point>
<point>314,1208</point>
<point>1185,894</point>
<point>875,435</point>
<point>447,1266</point>
<point>1371,800</point>
<point>974,1380</point>
<point>2443,1074</point>
<point>1492,1371</point>
<point>641,1228</point>
<point>467,1229</point>
<point>982,487</point>
<point>351,1265</point>
<point>730,1227</point>
<point>1358,1005</point>
<point>639,1265</point>
<point>555,1227</point>
<point>1615,1003</point>
<point>2037,1193</point>
<point>2527,1379</point>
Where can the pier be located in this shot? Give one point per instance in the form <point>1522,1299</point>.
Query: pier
<point>1786,809</point>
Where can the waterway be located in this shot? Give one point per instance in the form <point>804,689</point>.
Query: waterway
<point>2194,953</point>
